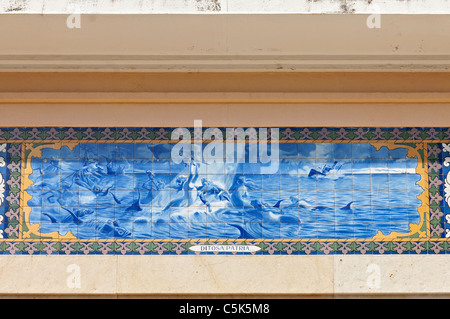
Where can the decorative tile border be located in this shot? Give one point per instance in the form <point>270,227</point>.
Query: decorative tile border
<point>159,134</point>
<point>182,248</point>
<point>435,154</point>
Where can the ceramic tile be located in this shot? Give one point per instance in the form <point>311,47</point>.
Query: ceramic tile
<point>123,191</point>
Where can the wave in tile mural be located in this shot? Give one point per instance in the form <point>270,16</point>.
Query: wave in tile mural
<point>299,191</point>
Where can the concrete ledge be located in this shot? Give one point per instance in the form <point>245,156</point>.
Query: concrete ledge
<point>165,275</point>
<point>224,43</point>
<point>197,276</point>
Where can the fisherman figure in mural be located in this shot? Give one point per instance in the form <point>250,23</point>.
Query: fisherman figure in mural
<point>239,188</point>
<point>153,185</point>
<point>208,189</point>
<point>115,168</point>
<point>90,177</point>
<point>180,180</point>
<point>188,188</point>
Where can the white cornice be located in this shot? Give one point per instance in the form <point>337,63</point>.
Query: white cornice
<point>224,6</point>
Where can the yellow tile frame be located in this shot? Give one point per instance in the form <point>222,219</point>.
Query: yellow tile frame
<point>30,233</point>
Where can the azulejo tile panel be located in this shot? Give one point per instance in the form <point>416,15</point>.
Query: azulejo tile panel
<point>224,190</point>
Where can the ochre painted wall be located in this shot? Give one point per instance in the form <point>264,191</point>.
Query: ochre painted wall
<point>222,99</point>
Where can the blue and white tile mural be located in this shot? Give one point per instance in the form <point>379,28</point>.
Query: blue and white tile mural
<point>134,190</point>
<point>293,190</point>
<point>3,187</point>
